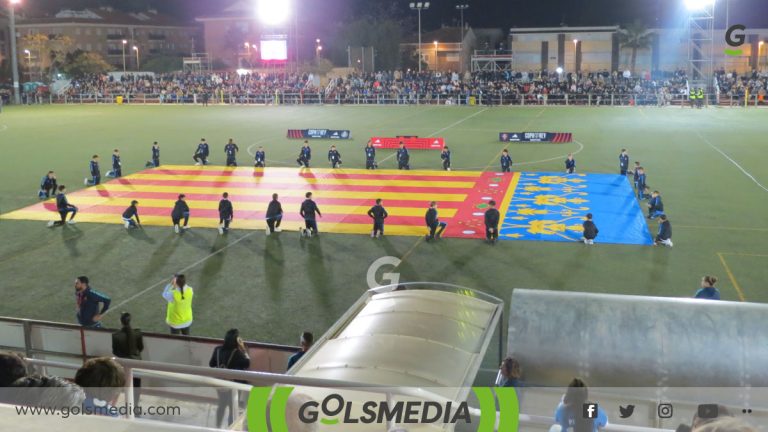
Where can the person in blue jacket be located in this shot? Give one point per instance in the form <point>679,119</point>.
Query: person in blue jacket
<point>708,290</point>
<point>201,153</point>
<point>93,169</point>
<point>506,161</point>
<point>88,300</point>
<point>575,413</point>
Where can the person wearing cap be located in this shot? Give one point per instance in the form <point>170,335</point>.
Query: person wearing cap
<point>129,214</point>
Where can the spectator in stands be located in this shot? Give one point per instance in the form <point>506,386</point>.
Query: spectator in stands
<point>726,424</point>
<point>569,414</point>
<point>307,339</point>
<point>231,355</point>
<point>510,373</point>
<point>46,391</point>
<point>274,215</point>
<point>129,343</point>
<point>665,232</point>
<point>179,309</point>
<point>722,412</point>
<point>88,300</point>
<point>103,380</point>
<point>12,367</point>
<point>708,290</point>
<point>590,230</point>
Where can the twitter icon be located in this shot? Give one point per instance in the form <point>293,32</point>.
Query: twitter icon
<point>626,411</point>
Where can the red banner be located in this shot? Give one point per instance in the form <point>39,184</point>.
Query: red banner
<point>413,143</point>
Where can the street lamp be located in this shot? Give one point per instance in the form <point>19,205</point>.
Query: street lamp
<point>436,62</point>
<point>318,48</point>
<point>419,6</point>
<point>461,8</point>
<point>125,42</point>
<point>14,60</point>
<point>138,63</point>
<point>576,55</point>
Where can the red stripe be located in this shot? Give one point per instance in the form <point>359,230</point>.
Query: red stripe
<point>228,185</point>
<point>285,200</point>
<point>297,173</point>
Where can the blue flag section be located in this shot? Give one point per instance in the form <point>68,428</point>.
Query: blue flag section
<point>553,206</point>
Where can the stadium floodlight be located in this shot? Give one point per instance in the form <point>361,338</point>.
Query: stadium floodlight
<point>273,12</point>
<point>695,5</point>
<point>419,6</point>
<point>559,70</point>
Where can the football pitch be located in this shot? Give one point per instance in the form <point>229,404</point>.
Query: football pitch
<point>708,164</point>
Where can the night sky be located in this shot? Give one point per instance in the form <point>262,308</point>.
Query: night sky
<point>482,13</point>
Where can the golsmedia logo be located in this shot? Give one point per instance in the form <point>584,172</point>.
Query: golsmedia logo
<point>276,414</point>
<point>734,39</point>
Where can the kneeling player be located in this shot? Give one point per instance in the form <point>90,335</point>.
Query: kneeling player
<point>433,223</point>
<point>129,214</point>
<point>308,211</point>
<point>664,236</point>
<point>47,186</point>
<point>334,157</point>
<point>63,207</point>
<point>180,211</point>
<point>261,158</point>
<point>445,155</point>
<point>590,230</point>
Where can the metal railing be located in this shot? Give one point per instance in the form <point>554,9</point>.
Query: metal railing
<point>332,98</point>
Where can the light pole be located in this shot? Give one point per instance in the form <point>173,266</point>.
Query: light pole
<point>28,53</point>
<point>576,55</point>
<point>436,61</point>
<point>461,8</point>
<point>14,60</point>
<point>138,63</point>
<point>125,42</point>
<point>419,6</point>
<point>318,48</point>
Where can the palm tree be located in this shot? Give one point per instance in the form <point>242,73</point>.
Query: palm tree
<point>636,37</point>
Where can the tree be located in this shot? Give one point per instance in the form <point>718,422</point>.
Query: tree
<point>164,64</point>
<point>383,34</point>
<point>50,50</point>
<point>85,62</point>
<point>635,36</point>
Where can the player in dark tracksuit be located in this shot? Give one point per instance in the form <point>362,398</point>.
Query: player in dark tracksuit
<point>570,164</point>
<point>655,206</point>
<point>445,155</point>
<point>623,162</point>
<point>117,165</point>
<point>48,186</point>
<point>260,158</point>
<point>129,214</point>
<point>403,158</point>
<point>274,215</point>
<point>370,156</point>
<point>226,213</point>
<point>308,210</point>
<point>378,213</point>
<point>201,153</point>
<point>433,223</point>
<point>63,207</point>
<point>231,150</point>
<point>492,217</point>
<point>305,155</point>
<point>93,168</point>
<point>180,211</point>
<point>665,232</point>
<point>590,230</point>
<point>334,157</point>
<point>506,161</point>
<point>155,154</point>
<point>640,182</point>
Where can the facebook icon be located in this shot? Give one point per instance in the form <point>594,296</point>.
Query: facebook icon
<point>589,411</point>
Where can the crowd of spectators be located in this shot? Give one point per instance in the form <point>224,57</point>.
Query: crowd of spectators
<point>409,86</point>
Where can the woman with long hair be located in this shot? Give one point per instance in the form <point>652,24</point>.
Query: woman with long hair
<point>178,313</point>
<point>230,355</point>
<point>129,343</point>
<point>571,413</point>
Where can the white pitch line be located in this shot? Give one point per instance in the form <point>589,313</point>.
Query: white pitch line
<point>746,173</point>
<point>165,281</point>
<point>581,147</point>
<point>459,122</point>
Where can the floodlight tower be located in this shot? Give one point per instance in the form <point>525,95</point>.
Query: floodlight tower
<point>14,60</point>
<point>419,6</point>
<point>701,41</point>
<point>275,13</point>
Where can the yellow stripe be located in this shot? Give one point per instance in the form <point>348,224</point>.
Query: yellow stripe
<point>508,196</point>
<point>303,180</point>
<point>415,196</point>
<point>198,222</point>
<point>322,171</point>
<point>86,202</point>
<point>732,277</point>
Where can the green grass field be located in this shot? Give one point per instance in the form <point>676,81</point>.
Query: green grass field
<point>273,288</point>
